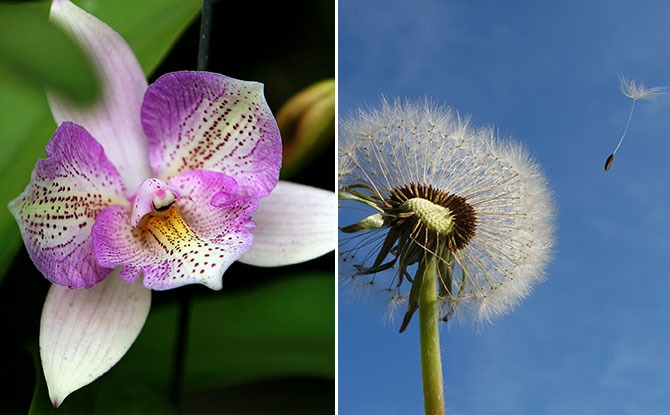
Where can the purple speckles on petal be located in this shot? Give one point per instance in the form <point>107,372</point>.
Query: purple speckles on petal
<point>207,121</point>
<point>59,206</point>
<point>211,210</point>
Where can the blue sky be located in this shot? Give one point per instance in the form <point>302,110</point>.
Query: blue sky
<point>593,338</point>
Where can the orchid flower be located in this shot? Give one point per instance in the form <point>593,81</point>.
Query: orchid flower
<point>153,188</point>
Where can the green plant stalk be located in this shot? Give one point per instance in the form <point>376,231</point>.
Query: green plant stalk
<point>431,360</point>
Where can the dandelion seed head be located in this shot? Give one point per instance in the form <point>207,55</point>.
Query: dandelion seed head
<point>495,194</point>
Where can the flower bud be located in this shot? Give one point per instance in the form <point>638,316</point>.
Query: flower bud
<point>307,124</point>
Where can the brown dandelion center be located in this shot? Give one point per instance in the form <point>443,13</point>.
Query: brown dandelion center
<point>431,217</point>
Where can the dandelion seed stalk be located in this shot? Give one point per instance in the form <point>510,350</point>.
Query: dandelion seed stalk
<point>431,360</point>
<point>610,159</point>
<point>625,130</point>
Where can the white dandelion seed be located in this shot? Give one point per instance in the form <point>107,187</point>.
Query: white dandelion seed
<point>435,186</point>
<point>634,91</point>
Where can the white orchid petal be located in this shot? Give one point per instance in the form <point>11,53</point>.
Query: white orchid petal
<point>83,333</point>
<point>115,119</point>
<point>295,223</point>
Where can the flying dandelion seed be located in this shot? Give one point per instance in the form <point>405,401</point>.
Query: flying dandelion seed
<point>632,90</point>
<point>440,188</point>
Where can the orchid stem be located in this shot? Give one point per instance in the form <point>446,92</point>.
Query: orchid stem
<point>431,360</point>
<point>185,297</point>
<point>182,340</point>
<point>205,34</point>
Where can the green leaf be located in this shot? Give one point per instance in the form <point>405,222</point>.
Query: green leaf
<point>26,124</point>
<point>25,128</point>
<point>42,55</point>
<point>285,328</point>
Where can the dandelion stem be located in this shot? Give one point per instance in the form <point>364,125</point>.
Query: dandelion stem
<point>625,130</point>
<point>431,360</point>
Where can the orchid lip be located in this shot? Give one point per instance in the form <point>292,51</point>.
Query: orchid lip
<point>174,234</point>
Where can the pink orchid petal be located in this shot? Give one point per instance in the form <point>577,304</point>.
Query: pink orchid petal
<point>59,206</point>
<point>83,333</point>
<point>207,121</point>
<point>295,223</point>
<point>194,241</point>
<point>115,120</point>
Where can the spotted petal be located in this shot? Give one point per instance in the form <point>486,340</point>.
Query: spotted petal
<point>194,240</point>
<point>115,120</point>
<point>59,206</point>
<point>83,333</point>
<point>201,120</point>
<point>295,223</point>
